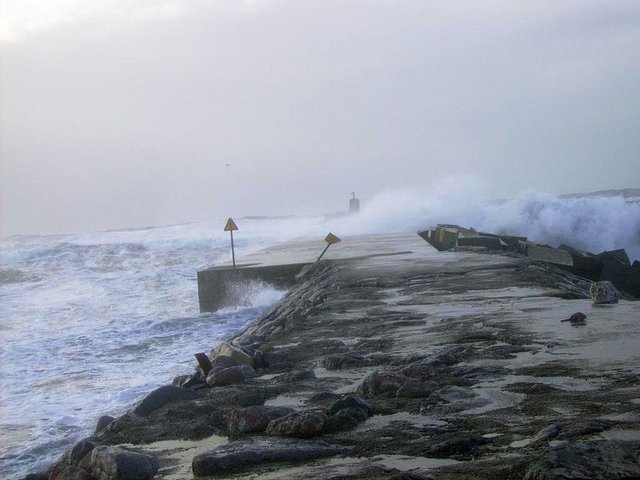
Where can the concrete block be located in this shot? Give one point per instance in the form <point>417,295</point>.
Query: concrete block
<point>548,254</point>
<point>219,286</point>
<point>492,243</point>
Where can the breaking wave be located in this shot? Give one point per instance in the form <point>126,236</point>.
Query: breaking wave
<point>593,223</point>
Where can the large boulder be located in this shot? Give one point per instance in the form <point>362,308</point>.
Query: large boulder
<point>226,376</point>
<point>228,350</point>
<point>380,383</point>
<point>103,422</point>
<point>237,455</point>
<point>346,413</point>
<point>253,419</point>
<point>161,397</point>
<point>71,472</point>
<point>416,389</point>
<point>299,425</point>
<point>110,463</point>
<point>603,292</point>
<point>351,401</point>
<point>603,459</point>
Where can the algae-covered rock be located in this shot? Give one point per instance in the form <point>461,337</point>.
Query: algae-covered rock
<point>161,397</point>
<point>110,463</point>
<point>603,292</point>
<point>299,425</point>
<point>228,350</point>
<point>227,376</point>
<point>379,383</point>
<point>253,419</point>
<point>237,455</point>
<point>604,459</point>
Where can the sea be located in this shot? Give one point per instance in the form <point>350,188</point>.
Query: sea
<point>91,322</point>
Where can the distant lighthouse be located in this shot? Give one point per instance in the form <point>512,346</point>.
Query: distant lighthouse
<point>354,204</point>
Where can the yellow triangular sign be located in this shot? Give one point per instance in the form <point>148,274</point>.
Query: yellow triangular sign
<point>230,226</point>
<point>331,239</point>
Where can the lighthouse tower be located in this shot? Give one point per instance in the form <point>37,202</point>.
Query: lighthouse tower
<point>354,204</point>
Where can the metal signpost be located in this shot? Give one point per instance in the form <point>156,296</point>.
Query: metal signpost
<point>330,239</point>
<point>230,227</point>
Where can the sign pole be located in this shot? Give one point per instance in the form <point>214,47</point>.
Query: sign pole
<point>324,251</point>
<point>230,227</point>
<point>233,252</point>
<point>330,239</point>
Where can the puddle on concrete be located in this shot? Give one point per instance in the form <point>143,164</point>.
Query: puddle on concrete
<point>288,401</point>
<point>381,421</point>
<point>622,417</point>
<point>404,463</point>
<point>620,434</point>
<point>569,384</point>
<point>521,443</point>
<point>494,399</point>
<point>566,411</point>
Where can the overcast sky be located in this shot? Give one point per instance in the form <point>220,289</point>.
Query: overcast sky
<point>119,113</point>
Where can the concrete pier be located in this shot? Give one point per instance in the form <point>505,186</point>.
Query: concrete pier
<point>279,264</point>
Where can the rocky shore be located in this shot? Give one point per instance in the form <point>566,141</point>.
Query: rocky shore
<point>414,365</point>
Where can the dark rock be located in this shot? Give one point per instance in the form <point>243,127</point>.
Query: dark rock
<point>426,367</point>
<point>344,419</point>
<point>222,362</point>
<point>323,397</point>
<point>603,292</point>
<point>37,476</point>
<point>228,350</point>
<point>351,401</point>
<point>454,444</point>
<point>180,380</point>
<point>617,269</point>
<point>248,372</point>
<point>577,317</point>
<point>343,360</point>
<point>416,389</point>
<point>109,463</point>
<point>298,376</point>
<point>253,419</point>
<point>418,370</point>
<point>276,362</point>
<point>237,455</point>
<point>103,422</point>
<point>75,454</point>
<point>258,360</point>
<point>546,434</point>
<point>298,425</point>
<point>125,422</point>
<point>72,472</point>
<point>203,362</point>
<point>379,383</point>
<point>195,382</point>
<point>227,376</point>
<point>161,397</point>
<point>475,372</point>
<point>587,427</point>
<point>604,459</point>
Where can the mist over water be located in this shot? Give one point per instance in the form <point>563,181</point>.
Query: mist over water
<point>92,322</point>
